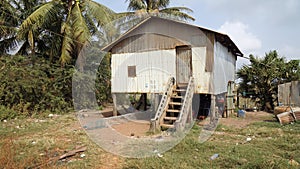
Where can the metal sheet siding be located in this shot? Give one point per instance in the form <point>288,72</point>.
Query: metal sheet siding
<point>224,68</point>
<point>146,42</point>
<point>202,78</point>
<point>289,93</point>
<point>153,68</point>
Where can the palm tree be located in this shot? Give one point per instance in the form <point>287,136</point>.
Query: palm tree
<point>262,77</point>
<point>62,27</point>
<point>11,14</point>
<point>154,7</point>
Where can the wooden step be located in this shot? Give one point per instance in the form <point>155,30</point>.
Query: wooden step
<point>180,90</point>
<point>170,118</point>
<point>173,110</point>
<point>177,97</point>
<point>175,103</point>
<point>167,125</point>
<point>182,85</point>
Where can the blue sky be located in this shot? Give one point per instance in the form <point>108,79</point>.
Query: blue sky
<point>255,26</point>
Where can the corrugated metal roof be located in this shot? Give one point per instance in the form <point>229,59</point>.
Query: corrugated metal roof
<point>220,37</point>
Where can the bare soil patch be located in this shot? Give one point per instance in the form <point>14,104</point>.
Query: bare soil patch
<point>250,117</point>
<point>132,128</point>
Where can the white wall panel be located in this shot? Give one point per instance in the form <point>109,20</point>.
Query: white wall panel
<point>202,78</point>
<point>153,69</point>
<point>224,68</point>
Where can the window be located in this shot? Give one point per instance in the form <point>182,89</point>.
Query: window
<point>131,71</point>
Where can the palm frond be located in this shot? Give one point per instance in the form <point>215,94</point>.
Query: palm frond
<point>67,44</point>
<point>136,5</point>
<point>44,14</point>
<point>100,13</point>
<point>181,9</point>
<point>177,11</point>
<point>8,44</point>
<point>162,4</point>
<point>7,31</point>
<point>81,33</point>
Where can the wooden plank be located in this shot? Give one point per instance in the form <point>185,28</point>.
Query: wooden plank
<point>170,118</point>
<point>285,118</point>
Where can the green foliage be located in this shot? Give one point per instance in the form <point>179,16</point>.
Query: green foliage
<point>155,7</point>
<point>70,24</point>
<point>6,113</point>
<point>262,77</point>
<point>33,87</point>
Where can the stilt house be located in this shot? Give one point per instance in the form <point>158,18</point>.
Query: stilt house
<point>176,61</point>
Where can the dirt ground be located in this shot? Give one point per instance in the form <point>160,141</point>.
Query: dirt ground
<point>250,117</point>
<point>140,128</point>
<point>136,129</point>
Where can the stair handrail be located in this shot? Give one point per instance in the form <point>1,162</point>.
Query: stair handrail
<point>163,101</point>
<point>181,120</point>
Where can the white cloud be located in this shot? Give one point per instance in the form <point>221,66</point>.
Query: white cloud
<point>238,32</point>
<point>290,52</point>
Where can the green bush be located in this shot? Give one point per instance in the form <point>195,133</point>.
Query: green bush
<point>6,113</point>
<point>34,87</point>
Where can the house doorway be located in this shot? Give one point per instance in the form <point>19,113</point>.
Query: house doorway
<point>183,64</point>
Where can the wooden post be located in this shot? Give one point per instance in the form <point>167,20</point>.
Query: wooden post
<point>212,108</point>
<point>114,97</point>
<point>156,101</point>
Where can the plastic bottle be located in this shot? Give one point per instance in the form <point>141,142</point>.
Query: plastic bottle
<point>214,156</point>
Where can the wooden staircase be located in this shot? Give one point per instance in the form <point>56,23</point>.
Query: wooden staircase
<point>175,107</point>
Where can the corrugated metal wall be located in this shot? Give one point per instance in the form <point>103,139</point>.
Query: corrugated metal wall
<point>202,78</point>
<point>224,68</point>
<point>153,69</point>
<point>289,93</point>
<point>146,42</point>
<point>209,62</point>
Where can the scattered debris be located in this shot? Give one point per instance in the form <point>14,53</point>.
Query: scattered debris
<point>83,110</point>
<point>242,161</point>
<point>33,142</point>
<point>159,155</point>
<point>289,116</point>
<point>82,155</point>
<point>214,156</point>
<point>293,162</point>
<point>242,113</point>
<point>73,152</point>
<point>50,115</point>
<point>281,109</point>
<point>248,139</point>
<point>4,121</point>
